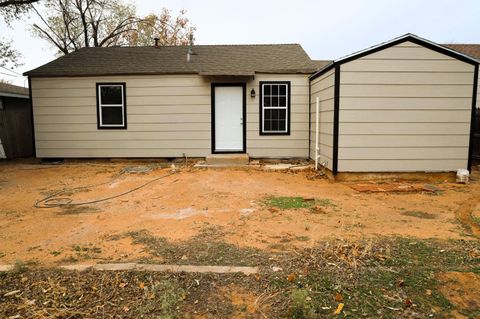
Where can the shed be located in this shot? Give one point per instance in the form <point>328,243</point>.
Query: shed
<point>405,105</point>
<point>16,127</point>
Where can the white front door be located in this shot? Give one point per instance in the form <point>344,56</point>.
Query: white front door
<point>228,118</point>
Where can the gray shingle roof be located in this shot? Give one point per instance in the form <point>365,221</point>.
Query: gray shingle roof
<point>9,89</point>
<point>208,60</point>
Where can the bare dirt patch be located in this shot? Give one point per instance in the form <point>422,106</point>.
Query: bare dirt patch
<point>461,289</point>
<point>182,206</point>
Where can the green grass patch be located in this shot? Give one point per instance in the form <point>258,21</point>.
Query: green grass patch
<point>295,202</point>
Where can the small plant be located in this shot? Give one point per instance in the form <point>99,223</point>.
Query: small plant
<point>20,267</point>
<point>418,214</point>
<point>55,253</point>
<point>300,307</point>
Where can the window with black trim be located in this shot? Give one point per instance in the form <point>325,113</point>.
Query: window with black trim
<point>275,108</point>
<point>111,106</point>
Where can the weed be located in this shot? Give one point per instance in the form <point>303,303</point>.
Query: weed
<point>418,214</point>
<point>300,306</point>
<point>55,253</point>
<point>21,266</point>
<point>302,238</point>
<point>86,252</point>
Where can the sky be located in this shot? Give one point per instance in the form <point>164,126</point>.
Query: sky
<point>326,29</point>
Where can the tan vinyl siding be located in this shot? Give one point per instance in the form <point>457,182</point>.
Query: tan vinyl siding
<point>323,87</point>
<point>167,116</point>
<point>293,145</point>
<point>405,108</point>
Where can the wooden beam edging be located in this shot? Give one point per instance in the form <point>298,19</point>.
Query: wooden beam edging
<point>154,268</point>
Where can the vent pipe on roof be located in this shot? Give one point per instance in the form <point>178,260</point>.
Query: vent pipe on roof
<point>190,48</point>
<point>156,41</point>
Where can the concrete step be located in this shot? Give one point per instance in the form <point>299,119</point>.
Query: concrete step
<point>227,159</point>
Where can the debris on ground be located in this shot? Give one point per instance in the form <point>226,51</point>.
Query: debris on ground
<point>395,188</point>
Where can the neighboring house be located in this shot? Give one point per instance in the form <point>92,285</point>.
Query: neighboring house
<point>405,105</point>
<point>16,127</point>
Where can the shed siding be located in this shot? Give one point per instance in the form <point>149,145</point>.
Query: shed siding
<point>167,116</point>
<point>323,87</point>
<point>405,108</point>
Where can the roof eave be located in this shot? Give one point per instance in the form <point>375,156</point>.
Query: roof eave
<point>15,95</point>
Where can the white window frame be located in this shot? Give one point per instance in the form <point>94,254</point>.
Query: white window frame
<point>287,99</point>
<point>100,105</point>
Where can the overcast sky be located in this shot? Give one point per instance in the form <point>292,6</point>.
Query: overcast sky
<point>325,29</point>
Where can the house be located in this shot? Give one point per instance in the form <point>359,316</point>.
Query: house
<point>16,127</point>
<point>402,106</point>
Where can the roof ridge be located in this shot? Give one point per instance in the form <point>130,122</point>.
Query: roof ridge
<point>195,45</point>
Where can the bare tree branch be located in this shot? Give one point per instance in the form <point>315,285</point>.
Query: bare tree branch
<point>6,3</point>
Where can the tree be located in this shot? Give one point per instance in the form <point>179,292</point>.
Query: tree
<point>11,10</point>
<point>73,24</point>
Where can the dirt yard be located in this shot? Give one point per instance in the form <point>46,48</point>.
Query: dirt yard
<point>234,217</point>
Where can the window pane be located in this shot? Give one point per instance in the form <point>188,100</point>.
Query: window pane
<point>282,114</point>
<point>112,115</point>
<point>111,94</point>
<point>274,100</point>
<point>282,101</point>
<point>267,125</point>
<point>282,125</point>
<point>266,101</point>
<point>266,89</point>
<point>283,89</point>
<point>274,89</point>
<point>274,125</point>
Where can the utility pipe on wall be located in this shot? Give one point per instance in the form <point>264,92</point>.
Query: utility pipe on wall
<point>316,132</point>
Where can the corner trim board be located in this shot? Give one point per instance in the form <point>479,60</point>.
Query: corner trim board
<point>336,113</point>
<point>472,119</point>
<point>31,115</point>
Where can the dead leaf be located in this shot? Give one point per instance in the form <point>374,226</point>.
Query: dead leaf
<point>339,309</point>
<point>141,285</point>
<point>122,284</point>
<point>126,309</point>
<point>23,279</point>
<point>338,297</point>
<point>428,292</point>
<point>11,293</point>
<point>292,277</point>
<point>408,302</point>
<point>400,283</point>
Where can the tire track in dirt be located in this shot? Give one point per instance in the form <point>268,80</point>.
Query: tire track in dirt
<point>464,214</point>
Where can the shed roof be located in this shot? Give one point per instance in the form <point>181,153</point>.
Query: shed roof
<point>13,90</point>
<point>211,60</point>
